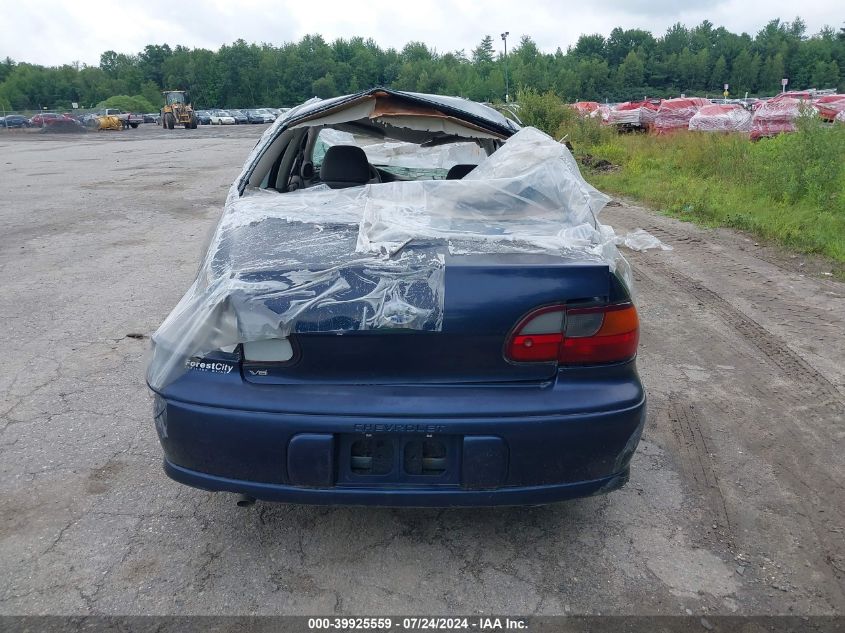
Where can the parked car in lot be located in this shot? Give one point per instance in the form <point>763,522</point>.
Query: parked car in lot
<point>44,118</point>
<point>239,116</point>
<point>151,117</point>
<point>203,117</point>
<point>221,117</point>
<point>378,322</point>
<point>259,116</point>
<point>90,120</point>
<point>48,119</point>
<point>14,121</point>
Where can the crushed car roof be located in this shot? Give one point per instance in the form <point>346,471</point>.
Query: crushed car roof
<point>464,109</point>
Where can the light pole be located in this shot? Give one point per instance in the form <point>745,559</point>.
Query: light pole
<point>505,40</point>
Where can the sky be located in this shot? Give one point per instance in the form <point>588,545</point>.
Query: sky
<point>55,32</point>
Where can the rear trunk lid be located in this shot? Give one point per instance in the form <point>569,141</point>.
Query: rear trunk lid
<point>485,297</point>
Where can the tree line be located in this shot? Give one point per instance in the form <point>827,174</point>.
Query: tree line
<point>627,64</point>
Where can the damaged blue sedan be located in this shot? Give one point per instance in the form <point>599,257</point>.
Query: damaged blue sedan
<point>408,301</point>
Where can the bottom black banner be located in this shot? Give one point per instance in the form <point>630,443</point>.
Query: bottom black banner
<point>538,624</point>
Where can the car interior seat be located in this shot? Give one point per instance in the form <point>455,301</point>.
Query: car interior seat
<point>345,166</point>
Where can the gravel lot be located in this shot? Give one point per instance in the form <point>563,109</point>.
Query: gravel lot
<point>735,503</point>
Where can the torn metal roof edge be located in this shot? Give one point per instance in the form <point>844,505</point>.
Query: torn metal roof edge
<point>458,107</point>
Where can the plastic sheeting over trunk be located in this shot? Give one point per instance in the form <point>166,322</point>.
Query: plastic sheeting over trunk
<point>372,257</point>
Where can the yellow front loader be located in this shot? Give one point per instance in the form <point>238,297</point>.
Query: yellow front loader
<point>177,110</point>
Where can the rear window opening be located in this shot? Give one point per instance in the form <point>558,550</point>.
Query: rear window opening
<point>332,157</point>
<point>376,139</point>
<point>399,160</point>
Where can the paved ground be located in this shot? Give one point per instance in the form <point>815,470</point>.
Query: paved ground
<point>735,503</point>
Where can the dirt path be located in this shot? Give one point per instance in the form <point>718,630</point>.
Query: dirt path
<point>745,362</point>
<point>735,503</point>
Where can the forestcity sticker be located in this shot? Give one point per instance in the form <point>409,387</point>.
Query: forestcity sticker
<point>209,366</point>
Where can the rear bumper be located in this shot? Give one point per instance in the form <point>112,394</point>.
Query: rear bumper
<point>512,456</point>
<point>415,498</point>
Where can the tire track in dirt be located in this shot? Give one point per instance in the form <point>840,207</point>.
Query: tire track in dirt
<point>816,388</point>
<point>682,233</point>
<point>679,419</point>
<point>676,421</point>
<point>809,393</point>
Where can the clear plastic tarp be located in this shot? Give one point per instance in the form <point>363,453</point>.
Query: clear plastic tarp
<point>401,154</point>
<point>675,114</point>
<point>636,113</point>
<point>830,106</point>
<point>641,240</point>
<point>728,117</point>
<point>374,256</point>
<point>778,116</point>
<point>587,108</point>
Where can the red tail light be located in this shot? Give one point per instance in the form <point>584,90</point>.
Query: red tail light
<point>576,336</point>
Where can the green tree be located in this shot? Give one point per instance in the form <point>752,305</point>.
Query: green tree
<point>631,75</point>
<point>719,74</point>
<point>621,42</point>
<point>482,55</point>
<point>825,75</point>
<point>590,46</point>
<point>744,73</point>
<point>324,87</point>
<point>6,67</point>
<point>136,103</point>
<point>771,74</point>
<point>151,61</point>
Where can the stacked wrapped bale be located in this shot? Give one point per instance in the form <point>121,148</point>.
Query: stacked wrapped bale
<point>778,115</point>
<point>633,114</point>
<point>675,114</point>
<point>729,117</point>
<point>586,108</point>
<point>830,106</point>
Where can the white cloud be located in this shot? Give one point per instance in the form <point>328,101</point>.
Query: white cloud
<point>61,31</point>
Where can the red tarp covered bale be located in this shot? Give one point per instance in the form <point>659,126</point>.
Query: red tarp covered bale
<point>633,113</point>
<point>675,114</point>
<point>586,108</point>
<point>729,117</point>
<point>794,94</point>
<point>829,106</point>
<point>777,116</point>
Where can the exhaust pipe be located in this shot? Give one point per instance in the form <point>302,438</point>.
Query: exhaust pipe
<point>245,501</point>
